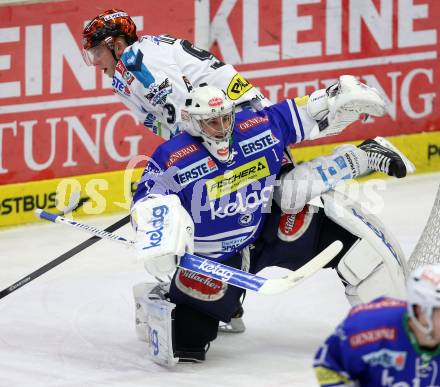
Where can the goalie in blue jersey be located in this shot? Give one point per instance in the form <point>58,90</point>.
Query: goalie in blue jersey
<point>388,342</point>
<point>223,190</point>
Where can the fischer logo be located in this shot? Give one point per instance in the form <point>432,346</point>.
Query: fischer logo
<point>242,204</point>
<point>237,178</point>
<point>250,123</point>
<point>258,143</point>
<point>217,270</point>
<point>158,221</point>
<point>197,170</point>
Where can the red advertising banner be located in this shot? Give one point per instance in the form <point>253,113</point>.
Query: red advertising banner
<point>59,117</point>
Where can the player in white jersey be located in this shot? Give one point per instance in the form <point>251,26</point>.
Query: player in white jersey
<point>152,75</point>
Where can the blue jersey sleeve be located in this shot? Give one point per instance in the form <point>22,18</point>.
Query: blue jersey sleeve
<point>291,120</point>
<point>156,178</point>
<point>332,361</point>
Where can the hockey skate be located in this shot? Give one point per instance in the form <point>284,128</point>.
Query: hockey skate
<point>384,157</point>
<point>236,325</point>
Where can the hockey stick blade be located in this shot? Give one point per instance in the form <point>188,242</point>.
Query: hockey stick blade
<point>60,259</point>
<point>73,203</point>
<point>217,270</point>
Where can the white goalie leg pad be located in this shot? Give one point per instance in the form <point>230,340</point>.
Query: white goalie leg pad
<point>374,266</point>
<point>367,275</point>
<point>155,325</point>
<point>141,291</point>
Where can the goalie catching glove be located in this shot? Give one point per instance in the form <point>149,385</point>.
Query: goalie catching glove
<point>341,104</point>
<point>164,232</point>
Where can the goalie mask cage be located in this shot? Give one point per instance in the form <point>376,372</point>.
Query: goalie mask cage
<point>427,250</point>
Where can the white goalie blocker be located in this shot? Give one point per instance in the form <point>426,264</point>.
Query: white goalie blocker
<point>375,265</point>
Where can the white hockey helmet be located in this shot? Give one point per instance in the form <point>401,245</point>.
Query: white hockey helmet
<point>423,289</point>
<point>209,114</point>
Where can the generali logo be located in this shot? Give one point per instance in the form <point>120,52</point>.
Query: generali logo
<point>252,122</point>
<point>372,336</point>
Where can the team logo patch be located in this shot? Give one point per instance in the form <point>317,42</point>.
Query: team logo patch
<point>237,87</point>
<point>196,171</point>
<point>181,153</point>
<point>157,94</point>
<point>258,143</point>
<point>245,219</point>
<point>121,69</point>
<point>293,226</point>
<point>199,286</point>
<point>386,358</point>
<point>372,336</point>
<point>237,178</point>
<point>251,122</point>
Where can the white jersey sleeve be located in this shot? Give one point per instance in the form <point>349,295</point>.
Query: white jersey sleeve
<point>200,66</point>
<point>155,74</point>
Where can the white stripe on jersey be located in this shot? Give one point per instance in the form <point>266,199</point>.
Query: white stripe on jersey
<point>295,121</point>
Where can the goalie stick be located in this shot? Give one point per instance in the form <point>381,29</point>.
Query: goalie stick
<point>217,270</point>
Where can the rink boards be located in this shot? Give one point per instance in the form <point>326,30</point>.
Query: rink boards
<point>111,191</point>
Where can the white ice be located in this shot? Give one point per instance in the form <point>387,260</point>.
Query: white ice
<point>74,326</point>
